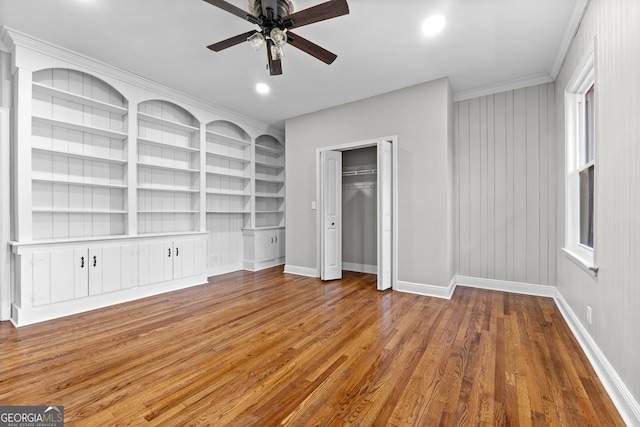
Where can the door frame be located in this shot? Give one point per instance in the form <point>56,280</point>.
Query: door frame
<point>394,200</point>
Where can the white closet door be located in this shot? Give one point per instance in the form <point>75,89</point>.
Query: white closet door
<point>331,215</point>
<point>385,209</point>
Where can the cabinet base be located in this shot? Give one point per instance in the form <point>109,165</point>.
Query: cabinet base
<point>256,266</point>
<point>28,316</point>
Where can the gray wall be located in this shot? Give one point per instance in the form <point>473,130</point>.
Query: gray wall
<point>421,116</point>
<point>615,294</point>
<point>505,186</point>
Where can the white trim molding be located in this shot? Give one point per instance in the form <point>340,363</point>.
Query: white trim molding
<point>534,80</point>
<point>360,268</point>
<point>506,286</point>
<point>618,392</point>
<point>434,291</point>
<point>301,271</point>
<point>579,8</point>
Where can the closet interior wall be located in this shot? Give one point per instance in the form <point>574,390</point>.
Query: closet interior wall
<point>359,210</point>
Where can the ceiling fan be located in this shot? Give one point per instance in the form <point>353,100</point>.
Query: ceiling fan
<point>275,18</point>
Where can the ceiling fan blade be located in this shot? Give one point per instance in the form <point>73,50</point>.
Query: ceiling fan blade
<point>311,48</point>
<point>321,12</point>
<point>217,47</point>
<point>270,4</point>
<point>275,65</point>
<point>233,9</point>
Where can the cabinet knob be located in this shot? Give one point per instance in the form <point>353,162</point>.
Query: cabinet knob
<point>169,252</point>
<point>177,251</point>
<point>95,260</point>
<point>81,262</point>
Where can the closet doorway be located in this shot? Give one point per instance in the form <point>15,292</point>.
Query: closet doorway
<point>356,213</point>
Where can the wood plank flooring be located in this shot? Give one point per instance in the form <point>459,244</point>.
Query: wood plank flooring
<point>270,348</point>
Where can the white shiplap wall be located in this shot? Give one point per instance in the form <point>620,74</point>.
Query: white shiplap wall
<point>614,296</point>
<point>505,186</point>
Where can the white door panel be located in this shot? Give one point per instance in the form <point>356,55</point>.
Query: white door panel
<point>385,210</point>
<point>332,215</point>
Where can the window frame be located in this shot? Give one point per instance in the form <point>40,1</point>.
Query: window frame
<point>581,82</point>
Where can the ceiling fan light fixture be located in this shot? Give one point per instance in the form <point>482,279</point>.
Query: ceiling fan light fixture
<point>256,41</point>
<point>276,52</point>
<point>278,36</point>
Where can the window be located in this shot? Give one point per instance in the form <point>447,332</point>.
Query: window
<point>580,113</point>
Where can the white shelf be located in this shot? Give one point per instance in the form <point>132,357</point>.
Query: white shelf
<point>78,211</point>
<point>228,193</point>
<point>269,196</point>
<point>80,99</point>
<point>228,212</point>
<point>228,139</point>
<point>169,189</point>
<point>172,168</point>
<point>228,175</point>
<point>164,122</point>
<point>83,184</point>
<point>270,165</point>
<point>270,212</point>
<point>108,133</point>
<point>228,157</point>
<point>168,145</point>
<point>271,180</point>
<point>157,211</point>
<point>80,156</point>
<point>269,150</point>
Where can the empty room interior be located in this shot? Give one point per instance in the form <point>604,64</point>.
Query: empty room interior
<point>308,212</point>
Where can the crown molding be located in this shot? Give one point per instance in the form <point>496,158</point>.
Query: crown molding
<point>12,38</point>
<point>520,83</point>
<point>579,9</point>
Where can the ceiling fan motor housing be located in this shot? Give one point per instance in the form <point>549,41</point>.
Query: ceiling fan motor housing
<point>284,8</point>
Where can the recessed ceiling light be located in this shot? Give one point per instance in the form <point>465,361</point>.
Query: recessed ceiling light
<point>262,88</point>
<point>433,25</point>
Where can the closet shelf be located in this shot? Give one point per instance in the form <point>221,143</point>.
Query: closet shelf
<point>360,172</point>
<point>80,155</point>
<point>164,122</point>
<point>272,180</point>
<point>168,145</point>
<point>269,196</point>
<point>81,184</point>
<point>80,99</point>
<point>228,139</point>
<point>107,133</point>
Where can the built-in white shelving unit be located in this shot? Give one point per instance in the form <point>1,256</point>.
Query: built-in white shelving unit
<point>168,169</point>
<point>78,156</point>
<point>269,182</point>
<point>228,189</point>
<point>124,188</point>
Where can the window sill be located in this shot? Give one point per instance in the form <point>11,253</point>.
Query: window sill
<point>581,261</point>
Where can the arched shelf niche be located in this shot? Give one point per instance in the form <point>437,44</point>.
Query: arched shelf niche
<point>269,182</point>
<point>168,168</point>
<point>79,156</point>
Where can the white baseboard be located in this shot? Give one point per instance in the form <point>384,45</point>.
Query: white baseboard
<point>360,268</point>
<point>618,392</point>
<point>506,286</point>
<point>216,271</point>
<point>301,271</point>
<point>426,290</point>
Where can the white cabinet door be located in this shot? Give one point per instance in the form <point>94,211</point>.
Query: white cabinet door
<point>129,265</point>
<point>81,273</point>
<point>156,262</point>
<point>280,249</point>
<point>95,271</point>
<point>41,264</point>
<point>62,284</point>
<point>111,269</point>
<point>263,246</point>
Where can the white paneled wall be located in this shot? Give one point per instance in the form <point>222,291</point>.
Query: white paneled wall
<point>614,295</point>
<point>505,186</point>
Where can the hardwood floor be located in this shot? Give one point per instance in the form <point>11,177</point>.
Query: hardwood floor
<point>271,348</point>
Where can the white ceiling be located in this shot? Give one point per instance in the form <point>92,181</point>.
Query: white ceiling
<point>380,47</point>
